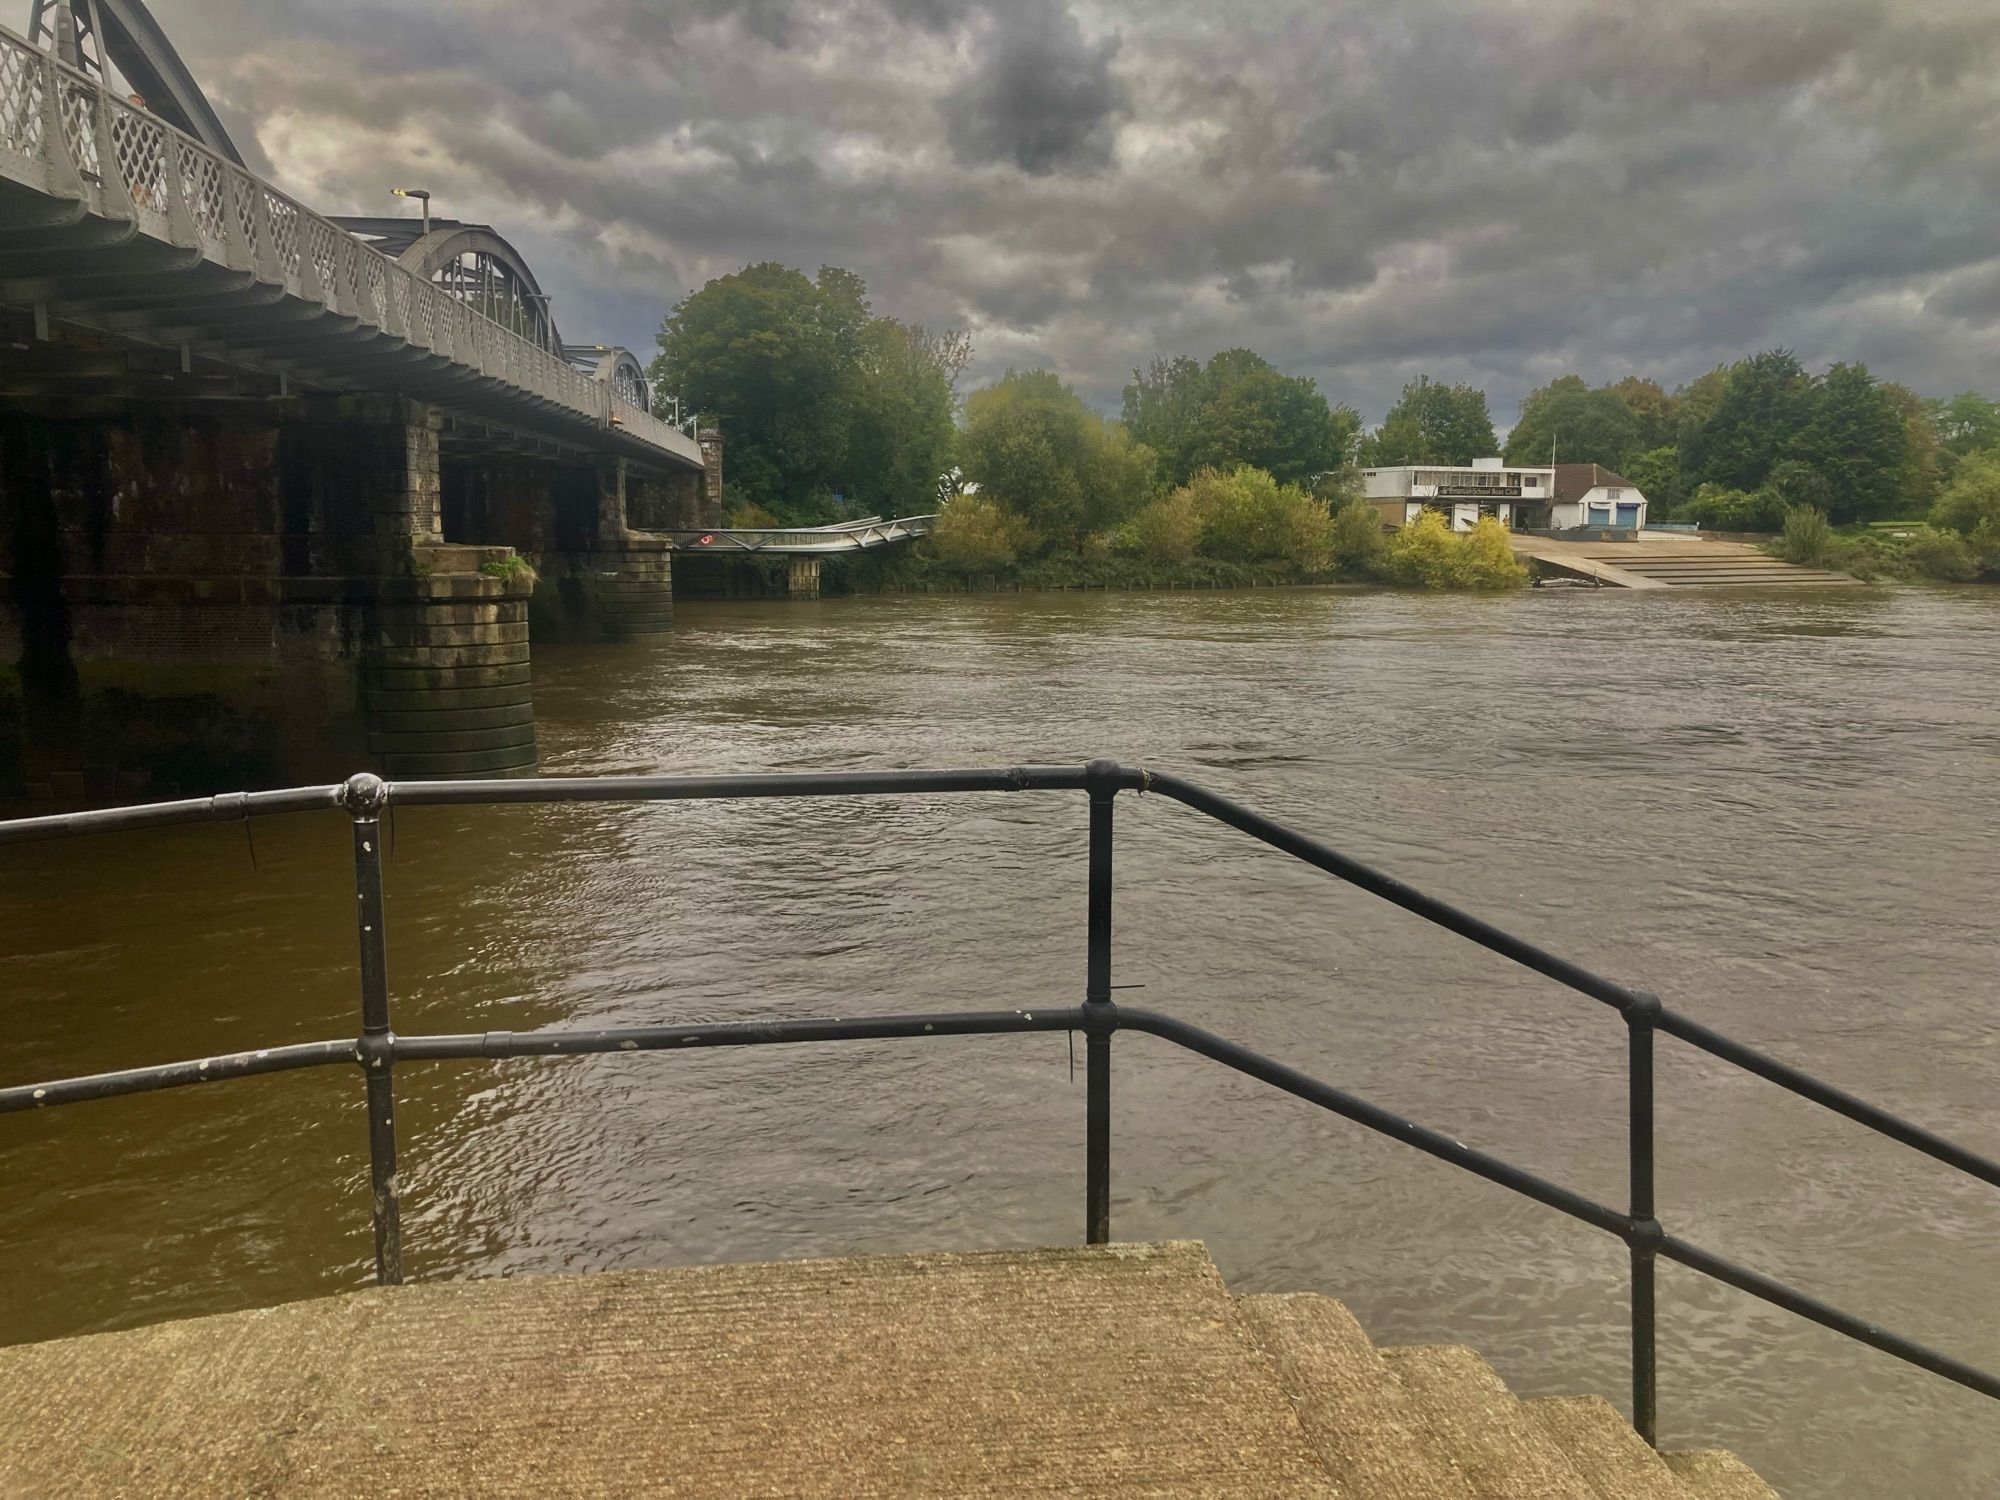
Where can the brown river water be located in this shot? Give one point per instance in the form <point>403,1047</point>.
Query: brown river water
<point>1776,810</point>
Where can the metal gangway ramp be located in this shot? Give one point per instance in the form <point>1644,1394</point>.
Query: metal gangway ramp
<point>803,541</point>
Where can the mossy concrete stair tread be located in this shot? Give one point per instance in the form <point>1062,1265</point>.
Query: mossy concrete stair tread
<point>1603,1448</point>
<point>1709,1474</point>
<point>1354,1411</point>
<point>1115,1371</point>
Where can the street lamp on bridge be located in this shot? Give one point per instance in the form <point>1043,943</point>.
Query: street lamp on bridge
<point>423,197</point>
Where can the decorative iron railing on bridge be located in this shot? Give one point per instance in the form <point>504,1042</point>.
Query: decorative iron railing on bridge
<point>63,134</point>
<point>378,1049</point>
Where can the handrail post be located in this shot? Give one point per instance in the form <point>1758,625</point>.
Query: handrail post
<point>1640,1018</point>
<point>364,796</point>
<point>1100,1016</point>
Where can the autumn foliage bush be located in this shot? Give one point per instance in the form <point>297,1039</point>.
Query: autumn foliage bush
<point>1428,554</point>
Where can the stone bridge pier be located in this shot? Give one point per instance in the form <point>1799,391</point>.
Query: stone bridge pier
<point>204,595</point>
<point>586,529</point>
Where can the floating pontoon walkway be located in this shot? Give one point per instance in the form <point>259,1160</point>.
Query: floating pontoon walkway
<point>1122,1370</point>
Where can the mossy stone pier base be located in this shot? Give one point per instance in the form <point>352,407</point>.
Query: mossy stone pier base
<point>615,592</point>
<point>448,678</point>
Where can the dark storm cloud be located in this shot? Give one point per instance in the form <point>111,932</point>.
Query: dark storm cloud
<point>1038,95</point>
<point>1487,190</point>
<point>1971,296</point>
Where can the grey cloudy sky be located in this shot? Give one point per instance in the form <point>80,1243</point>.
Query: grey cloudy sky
<point>1489,190</point>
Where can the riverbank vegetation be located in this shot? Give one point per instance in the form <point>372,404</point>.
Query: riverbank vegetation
<point>821,399</point>
<point>1841,469</point>
<point>1055,491</point>
<point>831,410</point>
<point>1959,544</point>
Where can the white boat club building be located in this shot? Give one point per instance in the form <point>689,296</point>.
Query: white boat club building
<point>1560,497</point>
<point>1591,495</point>
<point>1462,492</point>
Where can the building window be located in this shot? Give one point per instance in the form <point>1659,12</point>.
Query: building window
<point>1613,494</point>
<point>1530,482</point>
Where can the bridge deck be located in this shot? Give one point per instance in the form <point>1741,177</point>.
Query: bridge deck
<point>1114,1371</point>
<point>115,222</point>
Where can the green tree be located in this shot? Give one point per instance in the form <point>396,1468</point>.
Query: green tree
<point>1247,516</point>
<point>1657,413</point>
<point>1166,529</point>
<point>1856,439</point>
<point>1695,403</point>
<point>818,394</point>
<point>1797,484</point>
<point>1720,508</point>
<point>760,349</point>
<point>977,535</point>
<point>1924,470</point>
<point>1657,473</point>
<point>1163,410</point>
<point>1966,423</point>
<point>1031,443</point>
<point>1764,404</point>
<point>1360,543</point>
<point>1433,423</point>
<point>1970,508</point>
<point>1238,409</point>
<point>1577,424</point>
<point>900,399</point>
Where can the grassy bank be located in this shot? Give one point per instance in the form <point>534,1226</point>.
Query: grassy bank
<point>1906,551</point>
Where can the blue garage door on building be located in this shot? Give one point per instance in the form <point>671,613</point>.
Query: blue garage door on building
<point>1628,517</point>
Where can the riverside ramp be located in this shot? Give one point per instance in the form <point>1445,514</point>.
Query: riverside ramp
<point>1118,1370</point>
<point>1660,562</point>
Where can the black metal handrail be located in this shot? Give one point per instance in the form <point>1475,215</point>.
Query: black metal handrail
<point>378,1049</point>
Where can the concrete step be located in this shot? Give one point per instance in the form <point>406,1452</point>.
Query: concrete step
<point>1727,570</point>
<point>1472,1419</point>
<point>1601,1445</point>
<point>1118,1370</point>
<point>1717,565</point>
<point>1765,583</point>
<point>1748,577</point>
<point>1713,564</point>
<point>1720,565</point>
<point>1710,1474</point>
<point>1354,1411</point>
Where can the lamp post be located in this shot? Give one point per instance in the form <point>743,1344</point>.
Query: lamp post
<point>423,197</point>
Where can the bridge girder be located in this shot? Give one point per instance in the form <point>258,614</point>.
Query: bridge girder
<point>472,262</point>
<point>618,367</point>
<point>125,32</point>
